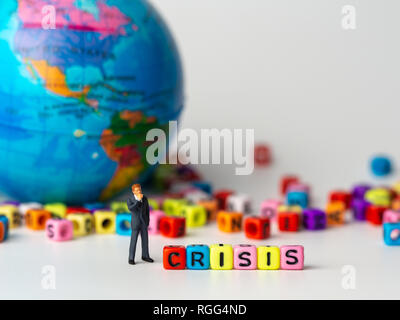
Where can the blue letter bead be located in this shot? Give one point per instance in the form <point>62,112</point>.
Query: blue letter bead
<point>123,224</point>
<point>198,257</point>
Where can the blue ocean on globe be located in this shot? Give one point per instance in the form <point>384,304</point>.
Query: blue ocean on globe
<point>81,82</point>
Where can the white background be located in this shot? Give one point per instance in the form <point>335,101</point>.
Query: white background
<point>324,98</point>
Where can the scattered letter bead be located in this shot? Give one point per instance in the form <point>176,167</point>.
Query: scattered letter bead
<point>82,223</point>
<point>239,203</point>
<point>59,229</point>
<point>245,257</point>
<point>381,166</point>
<point>205,186</point>
<point>297,198</point>
<point>286,181</point>
<point>257,227</point>
<point>77,210</point>
<point>289,221</point>
<point>119,207</point>
<point>359,207</point>
<point>11,212</point>
<point>104,221</point>
<point>299,187</point>
<point>359,191</point>
<point>123,224</point>
<point>378,196</point>
<point>374,214</point>
<point>194,196</point>
<point>196,216</point>
<point>24,207</point>
<point>229,221</point>
<point>269,208</point>
<point>3,228</point>
<point>222,196</point>
<point>211,207</point>
<point>198,257</point>
<point>292,257</point>
<point>154,223</point>
<point>57,209</point>
<point>173,207</point>
<point>221,257</point>
<point>341,196</point>
<point>268,258</point>
<point>174,257</point>
<point>36,219</point>
<point>391,216</point>
<point>173,227</point>
<point>262,155</point>
<point>391,234</point>
<point>335,213</point>
<point>314,219</point>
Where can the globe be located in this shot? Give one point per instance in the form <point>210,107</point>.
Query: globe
<point>81,83</point>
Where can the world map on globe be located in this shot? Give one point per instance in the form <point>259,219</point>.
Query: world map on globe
<point>78,97</point>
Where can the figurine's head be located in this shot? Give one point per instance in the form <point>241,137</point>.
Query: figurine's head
<point>136,189</point>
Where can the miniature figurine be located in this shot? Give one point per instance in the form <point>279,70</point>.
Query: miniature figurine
<point>139,207</point>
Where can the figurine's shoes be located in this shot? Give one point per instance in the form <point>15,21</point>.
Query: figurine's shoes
<point>148,259</point>
<point>132,262</point>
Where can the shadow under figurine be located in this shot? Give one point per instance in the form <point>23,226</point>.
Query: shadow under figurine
<point>139,207</point>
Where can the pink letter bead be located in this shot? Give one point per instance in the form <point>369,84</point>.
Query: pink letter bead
<point>391,216</point>
<point>269,208</point>
<point>154,224</point>
<point>292,257</point>
<point>59,229</point>
<point>245,257</point>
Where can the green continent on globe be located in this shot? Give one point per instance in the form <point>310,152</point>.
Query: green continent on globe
<point>81,82</point>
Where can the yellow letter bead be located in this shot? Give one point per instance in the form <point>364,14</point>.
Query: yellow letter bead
<point>211,207</point>
<point>12,214</point>
<point>378,196</point>
<point>335,213</point>
<point>57,209</point>
<point>104,221</point>
<point>396,187</point>
<point>83,223</point>
<point>196,216</point>
<point>221,257</point>
<point>172,207</point>
<point>268,258</point>
<point>119,207</point>
<point>153,204</point>
<point>294,208</point>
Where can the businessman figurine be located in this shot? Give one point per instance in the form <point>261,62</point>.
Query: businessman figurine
<point>139,207</point>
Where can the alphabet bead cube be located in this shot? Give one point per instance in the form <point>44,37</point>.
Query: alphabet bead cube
<point>378,197</point>
<point>119,206</point>
<point>11,212</point>
<point>395,205</point>
<point>391,216</point>
<point>153,203</point>
<point>289,221</point>
<point>292,257</point>
<point>374,214</point>
<point>269,208</point>
<point>381,166</point>
<point>211,207</point>
<point>24,207</point>
<point>341,196</point>
<point>359,207</point>
<point>286,181</point>
<point>221,257</point>
<point>57,209</point>
<point>174,257</point>
<point>198,257</point>
<point>77,210</point>
<point>3,228</point>
<point>257,227</point>
<point>295,208</point>
<point>92,207</point>
<point>391,234</point>
<point>245,257</point>
<point>105,222</point>
<point>229,221</point>
<point>299,187</point>
<point>82,223</point>
<point>205,186</point>
<point>196,216</point>
<point>36,219</point>
<point>222,196</point>
<point>239,203</point>
<point>154,223</point>
<point>59,229</point>
<point>194,196</point>
<point>173,227</point>
<point>314,219</point>
<point>297,198</point>
<point>335,213</point>
<point>173,207</point>
<point>268,258</point>
<point>123,224</point>
<point>359,191</point>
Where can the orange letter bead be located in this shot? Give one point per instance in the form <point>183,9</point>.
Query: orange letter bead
<point>36,219</point>
<point>229,221</point>
<point>335,213</point>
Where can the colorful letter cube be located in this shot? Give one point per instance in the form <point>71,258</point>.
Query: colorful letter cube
<point>314,219</point>
<point>173,207</point>
<point>292,257</point>
<point>286,181</point>
<point>173,227</point>
<point>395,205</point>
<point>391,234</point>
<point>153,203</point>
<point>123,224</point>
<point>24,207</point>
<point>205,186</point>
<point>222,196</point>
<point>245,257</point>
<point>174,257</point>
<point>378,197</point>
<point>239,203</point>
<point>381,166</point>
<point>92,207</point>
<point>374,214</point>
<point>359,207</point>
<point>196,216</point>
<point>341,196</point>
<point>391,216</point>
<point>59,229</point>
<point>269,208</point>
<point>298,187</point>
<point>82,210</point>
<point>154,223</point>
<point>335,213</point>
<point>57,209</point>
<point>359,191</point>
<point>297,198</point>
<point>194,196</point>
<point>268,258</point>
<point>82,223</point>
<point>221,257</point>
<point>104,221</point>
<point>119,207</point>
<point>229,221</point>
<point>36,219</point>
<point>11,212</point>
<point>289,221</point>
<point>211,207</point>
<point>3,228</point>
<point>257,227</point>
<point>262,155</point>
<point>198,257</point>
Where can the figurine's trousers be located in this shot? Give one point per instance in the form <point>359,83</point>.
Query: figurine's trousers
<point>142,230</point>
